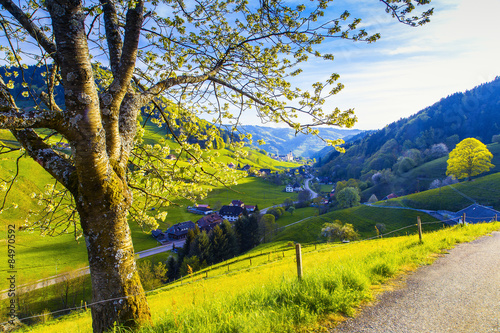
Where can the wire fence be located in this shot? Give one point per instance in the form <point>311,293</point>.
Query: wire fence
<point>197,276</point>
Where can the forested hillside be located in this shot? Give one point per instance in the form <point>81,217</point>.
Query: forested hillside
<point>431,133</point>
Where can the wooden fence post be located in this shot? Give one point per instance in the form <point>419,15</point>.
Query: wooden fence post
<point>298,254</point>
<point>419,223</point>
<point>463,220</point>
<point>250,261</point>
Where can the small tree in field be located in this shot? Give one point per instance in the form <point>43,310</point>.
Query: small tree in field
<point>469,158</point>
<point>338,231</point>
<point>348,197</point>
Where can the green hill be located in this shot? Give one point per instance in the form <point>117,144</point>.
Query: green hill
<point>410,142</point>
<point>364,219</point>
<point>483,190</point>
<point>62,253</point>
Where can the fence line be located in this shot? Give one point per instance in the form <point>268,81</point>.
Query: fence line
<point>193,278</point>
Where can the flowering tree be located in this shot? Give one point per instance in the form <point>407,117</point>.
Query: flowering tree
<point>470,158</point>
<point>167,61</point>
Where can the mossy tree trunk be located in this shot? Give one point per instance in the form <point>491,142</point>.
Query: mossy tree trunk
<point>100,127</point>
<point>117,293</point>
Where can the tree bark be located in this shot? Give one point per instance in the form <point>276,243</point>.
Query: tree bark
<point>117,293</point>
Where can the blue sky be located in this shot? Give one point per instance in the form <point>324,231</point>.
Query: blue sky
<point>411,68</point>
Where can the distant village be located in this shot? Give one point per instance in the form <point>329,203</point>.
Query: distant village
<point>210,219</point>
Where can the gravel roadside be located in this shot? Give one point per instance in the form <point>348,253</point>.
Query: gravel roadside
<point>459,293</point>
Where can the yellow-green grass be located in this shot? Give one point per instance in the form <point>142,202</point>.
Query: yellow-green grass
<point>51,298</point>
<point>326,188</point>
<point>266,297</point>
<point>363,218</point>
<point>298,214</point>
<point>41,257</point>
<point>484,190</point>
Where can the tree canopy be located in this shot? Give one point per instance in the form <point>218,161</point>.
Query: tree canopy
<point>168,61</point>
<point>470,158</point>
<point>348,197</point>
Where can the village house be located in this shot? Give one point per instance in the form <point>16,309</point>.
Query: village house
<point>159,236</point>
<point>475,213</point>
<point>246,168</point>
<point>209,222</point>
<point>289,188</point>
<point>237,203</point>
<point>171,157</point>
<point>231,213</point>
<point>200,209</point>
<point>250,209</point>
<point>180,230</point>
<point>264,172</point>
<point>297,187</point>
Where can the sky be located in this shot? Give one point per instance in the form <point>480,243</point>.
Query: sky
<point>409,68</point>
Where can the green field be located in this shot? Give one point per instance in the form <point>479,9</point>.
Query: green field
<point>259,292</point>
<point>484,190</point>
<point>364,219</point>
<point>39,256</point>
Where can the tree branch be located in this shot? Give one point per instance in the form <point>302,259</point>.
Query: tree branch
<point>113,37</point>
<point>53,162</point>
<point>31,28</point>
<point>12,118</point>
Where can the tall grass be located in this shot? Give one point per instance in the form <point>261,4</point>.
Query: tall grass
<point>269,298</point>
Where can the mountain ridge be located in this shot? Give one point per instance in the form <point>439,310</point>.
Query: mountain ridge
<point>281,141</point>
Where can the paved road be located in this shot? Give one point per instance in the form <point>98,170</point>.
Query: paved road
<point>459,293</point>
<point>306,185</point>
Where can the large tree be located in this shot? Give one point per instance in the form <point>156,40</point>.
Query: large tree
<point>166,61</point>
<point>470,158</point>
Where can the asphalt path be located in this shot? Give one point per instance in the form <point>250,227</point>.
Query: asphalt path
<point>306,185</point>
<point>459,293</point>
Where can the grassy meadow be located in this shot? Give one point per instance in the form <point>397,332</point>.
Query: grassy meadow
<point>364,219</point>
<point>484,190</point>
<point>264,295</point>
<point>40,257</point>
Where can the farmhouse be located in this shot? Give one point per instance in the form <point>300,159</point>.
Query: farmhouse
<point>264,172</point>
<point>289,188</point>
<point>200,210</point>
<point>180,230</point>
<point>209,222</point>
<point>297,187</point>
<point>159,236</point>
<point>250,209</point>
<point>476,213</point>
<point>237,203</point>
<point>231,213</point>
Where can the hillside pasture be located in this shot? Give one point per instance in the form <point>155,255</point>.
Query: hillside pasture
<point>483,190</point>
<point>363,218</point>
<point>265,296</point>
